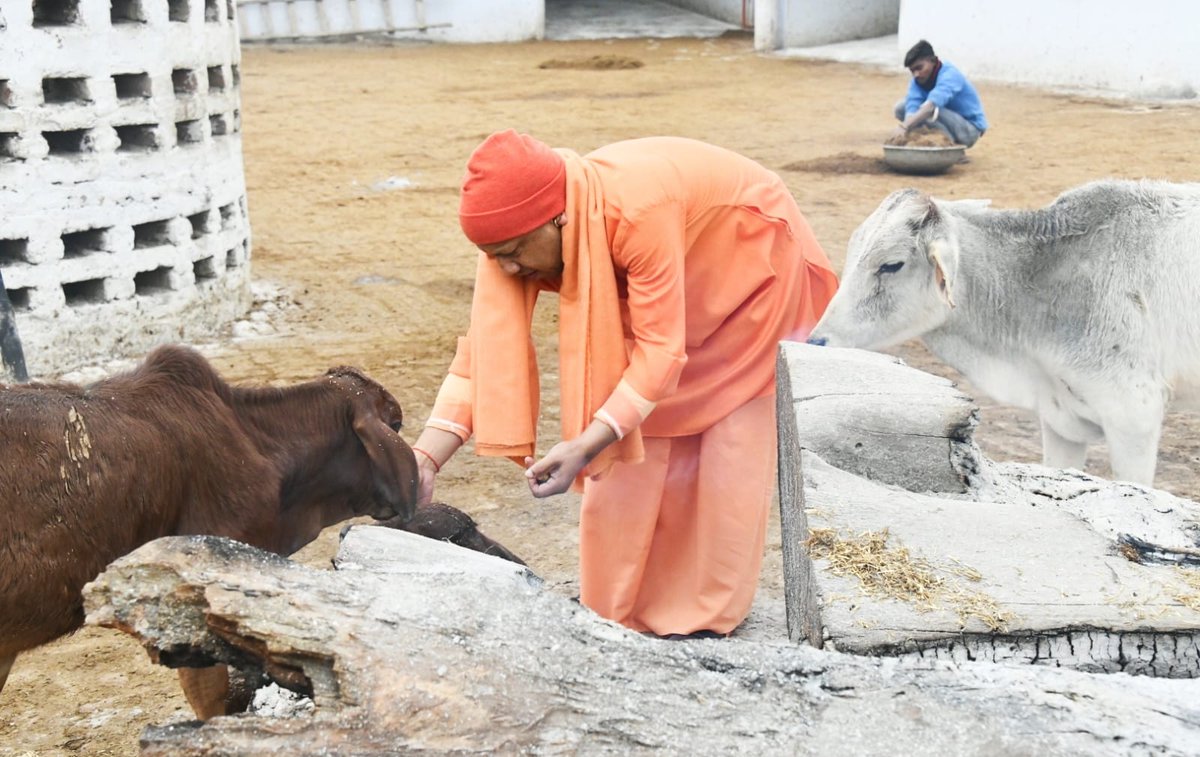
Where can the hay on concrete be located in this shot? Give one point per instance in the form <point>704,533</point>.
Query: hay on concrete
<point>1129,552</point>
<point>1191,578</point>
<point>894,573</point>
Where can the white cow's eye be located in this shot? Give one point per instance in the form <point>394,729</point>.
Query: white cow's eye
<point>891,267</point>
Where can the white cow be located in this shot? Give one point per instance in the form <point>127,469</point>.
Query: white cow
<point>1086,311</point>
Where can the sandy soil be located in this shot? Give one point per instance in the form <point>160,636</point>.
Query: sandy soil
<point>382,276</point>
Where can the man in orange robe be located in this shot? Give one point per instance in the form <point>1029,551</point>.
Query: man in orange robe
<point>679,266</point>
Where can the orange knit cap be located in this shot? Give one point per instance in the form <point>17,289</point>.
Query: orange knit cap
<point>514,184</point>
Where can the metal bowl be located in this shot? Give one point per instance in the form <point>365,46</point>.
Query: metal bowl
<point>922,160</point>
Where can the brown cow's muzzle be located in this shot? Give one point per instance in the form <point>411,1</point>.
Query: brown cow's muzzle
<point>399,499</point>
<point>394,473</point>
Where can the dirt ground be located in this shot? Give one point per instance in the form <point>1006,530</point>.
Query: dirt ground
<point>353,157</point>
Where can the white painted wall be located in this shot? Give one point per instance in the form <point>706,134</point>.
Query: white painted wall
<point>729,11</point>
<point>136,232</point>
<point>433,20</point>
<point>805,23</point>
<point>1146,48</point>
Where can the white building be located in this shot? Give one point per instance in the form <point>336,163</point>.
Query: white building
<point>1144,49</point>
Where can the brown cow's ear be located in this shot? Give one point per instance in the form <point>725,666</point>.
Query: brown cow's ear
<point>393,465</point>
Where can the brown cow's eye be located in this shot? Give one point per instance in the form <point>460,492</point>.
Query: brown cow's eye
<point>395,426</point>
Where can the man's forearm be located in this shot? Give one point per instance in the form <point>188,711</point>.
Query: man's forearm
<point>919,116</point>
<point>595,438</point>
<point>439,445</point>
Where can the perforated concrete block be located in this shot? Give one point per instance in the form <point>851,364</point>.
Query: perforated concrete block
<point>123,216</point>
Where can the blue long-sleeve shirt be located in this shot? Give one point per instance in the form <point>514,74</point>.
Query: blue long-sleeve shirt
<point>951,91</point>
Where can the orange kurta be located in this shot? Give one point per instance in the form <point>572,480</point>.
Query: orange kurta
<point>684,266</point>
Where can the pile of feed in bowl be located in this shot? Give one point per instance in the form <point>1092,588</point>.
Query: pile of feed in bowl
<point>922,136</point>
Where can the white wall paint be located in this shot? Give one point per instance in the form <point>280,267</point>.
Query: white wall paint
<point>804,23</point>
<point>729,11</point>
<point>122,208</point>
<point>433,20</point>
<point>1147,48</point>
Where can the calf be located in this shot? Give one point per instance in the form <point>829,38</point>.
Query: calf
<point>1084,311</point>
<point>88,474</point>
<point>436,520</point>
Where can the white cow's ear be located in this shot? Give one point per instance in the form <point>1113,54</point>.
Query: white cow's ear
<point>932,214</point>
<point>924,215</point>
<point>943,282</point>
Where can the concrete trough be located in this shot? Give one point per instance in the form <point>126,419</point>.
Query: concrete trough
<point>1026,564</point>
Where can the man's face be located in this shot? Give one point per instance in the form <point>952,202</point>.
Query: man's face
<point>536,255</point>
<point>922,69</point>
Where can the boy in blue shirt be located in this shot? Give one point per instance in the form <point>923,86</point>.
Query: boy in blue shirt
<point>941,97</point>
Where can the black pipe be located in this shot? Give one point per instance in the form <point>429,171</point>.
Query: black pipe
<point>10,344</point>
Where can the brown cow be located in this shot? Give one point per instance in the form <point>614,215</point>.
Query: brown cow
<point>88,474</point>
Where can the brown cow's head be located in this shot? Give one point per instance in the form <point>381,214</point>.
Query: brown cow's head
<point>376,419</point>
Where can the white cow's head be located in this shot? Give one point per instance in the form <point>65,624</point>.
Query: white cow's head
<point>899,277</point>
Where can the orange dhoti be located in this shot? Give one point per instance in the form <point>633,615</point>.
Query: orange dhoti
<point>674,544</point>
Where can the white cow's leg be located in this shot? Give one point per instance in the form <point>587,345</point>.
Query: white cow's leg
<point>1133,451</point>
<point>1132,420</point>
<point>1060,452</point>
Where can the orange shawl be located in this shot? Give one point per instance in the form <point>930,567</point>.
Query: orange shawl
<point>592,358</point>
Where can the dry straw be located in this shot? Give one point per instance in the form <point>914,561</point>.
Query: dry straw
<point>894,573</point>
<point>1189,599</point>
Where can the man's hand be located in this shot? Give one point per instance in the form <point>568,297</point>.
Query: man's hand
<point>920,116</point>
<point>432,450</point>
<point>428,473</point>
<point>554,473</point>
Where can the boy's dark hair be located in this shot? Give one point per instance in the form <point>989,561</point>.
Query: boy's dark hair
<point>918,51</point>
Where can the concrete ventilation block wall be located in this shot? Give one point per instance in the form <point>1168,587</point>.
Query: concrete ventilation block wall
<point>123,219</point>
